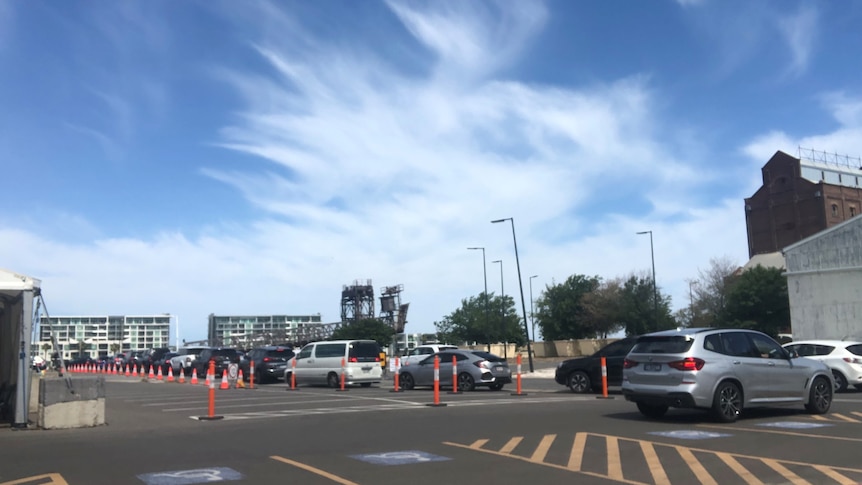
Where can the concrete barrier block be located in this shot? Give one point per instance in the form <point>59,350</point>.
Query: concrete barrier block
<point>71,402</point>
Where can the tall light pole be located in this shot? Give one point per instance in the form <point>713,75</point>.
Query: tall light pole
<point>503,307</point>
<point>521,285</point>
<point>654,287</point>
<point>485,272</point>
<point>532,310</point>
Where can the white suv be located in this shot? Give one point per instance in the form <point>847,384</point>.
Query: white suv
<point>722,370</point>
<point>843,357</point>
<point>419,353</point>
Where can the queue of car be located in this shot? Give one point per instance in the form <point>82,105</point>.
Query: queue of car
<point>722,371</point>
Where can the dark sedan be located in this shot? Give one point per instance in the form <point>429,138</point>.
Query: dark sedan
<point>584,374</point>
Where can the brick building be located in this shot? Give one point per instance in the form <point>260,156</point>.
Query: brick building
<point>801,197</point>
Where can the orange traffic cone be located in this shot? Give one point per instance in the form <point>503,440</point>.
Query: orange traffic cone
<point>209,378</point>
<point>239,382</point>
<point>160,377</point>
<point>182,379</point>
<point>170,373</point>
<point>135,371</point>
<point>127,371</point>
<point>194,376</point>
<point>151,375</point>
<point>113,369</point>
<point>224,383</point>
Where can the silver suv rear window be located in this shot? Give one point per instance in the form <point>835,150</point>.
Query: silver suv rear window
<point>662,345</point>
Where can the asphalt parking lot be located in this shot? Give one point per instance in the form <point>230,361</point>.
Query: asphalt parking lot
<point>375,436</point>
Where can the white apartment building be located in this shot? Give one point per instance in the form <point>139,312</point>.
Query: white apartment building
<point>252,330</point>
<point>80,336</point>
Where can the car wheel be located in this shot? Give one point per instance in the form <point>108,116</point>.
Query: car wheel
<point>819,397</point>
<point>727,403</point>
<point>405,381</point>
<point>466,382</point>
<point>653,411</point>
<point>858,387</point>
<point>579,382</point>
<point>496,386</point>
<point>840,381</point>
<point>332,380</point>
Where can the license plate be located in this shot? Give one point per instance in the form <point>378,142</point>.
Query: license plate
<point>499,368</point>
<point>650,367</point>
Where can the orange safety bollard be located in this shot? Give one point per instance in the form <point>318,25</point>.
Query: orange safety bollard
<point>211,416</point>
<point>604,395</point>
<point>397,387</point>
<point>251,374</point>
<point>518,379</point>
<point>343,376</point>
<point>292,376</point>
<point>454,376</point>
<point>437,402</point>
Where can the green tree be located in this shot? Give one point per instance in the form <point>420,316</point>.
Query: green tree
<point>561,311</point>
<point>472,322</point>
<point>637,307</point>
<point>367,329</point>
<point>115,347</point>
<point>602,307</point>
<point>757,299</point>
<point>82,348</point>
<point>45,348</point>
<point>709,292</point>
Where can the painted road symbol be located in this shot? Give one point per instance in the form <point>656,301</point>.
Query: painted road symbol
<point>794,425</point>
<point>399,457</point>
<point>689,434</point>
<point>188,477</point>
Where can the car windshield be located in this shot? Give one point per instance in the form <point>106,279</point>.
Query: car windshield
<point>225,353</point>
<point>488,356</point>
<point>365,352</point>
<point>283,354</point>
<point>676,344</point>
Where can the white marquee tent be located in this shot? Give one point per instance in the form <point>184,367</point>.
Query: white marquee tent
<point>17,293</point>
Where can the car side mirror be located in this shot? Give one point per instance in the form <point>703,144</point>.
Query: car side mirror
<point>793,353</point>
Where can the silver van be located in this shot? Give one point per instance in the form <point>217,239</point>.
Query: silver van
<point>321,363</point>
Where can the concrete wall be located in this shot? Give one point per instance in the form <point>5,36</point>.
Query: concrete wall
<point>824,283</point>
<point>558,348</point>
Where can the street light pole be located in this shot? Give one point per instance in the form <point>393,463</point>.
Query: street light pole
<point>654,284</point>
<point>532,310</point>
<point>503,308</point>
<point>521,285</point>
<point>485,272</point>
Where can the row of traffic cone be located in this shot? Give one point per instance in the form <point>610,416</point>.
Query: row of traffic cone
<point>132,371</point>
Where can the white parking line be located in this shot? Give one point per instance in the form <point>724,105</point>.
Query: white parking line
<point>394,406</point>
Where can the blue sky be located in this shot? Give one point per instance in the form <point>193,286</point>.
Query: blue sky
<point>251,157</point>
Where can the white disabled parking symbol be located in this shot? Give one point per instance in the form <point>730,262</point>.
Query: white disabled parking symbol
<point>399,457</point>
<point>188,477</point>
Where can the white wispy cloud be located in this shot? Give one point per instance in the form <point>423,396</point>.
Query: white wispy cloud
<point>845,139</point>
<point>359,170</point>
<point>800,32</point>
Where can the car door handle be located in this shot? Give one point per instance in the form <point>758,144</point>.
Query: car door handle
<point>771,364</point>
<point>737,362</point>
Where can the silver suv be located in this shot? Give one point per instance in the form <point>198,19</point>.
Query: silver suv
<point>722,370</point>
